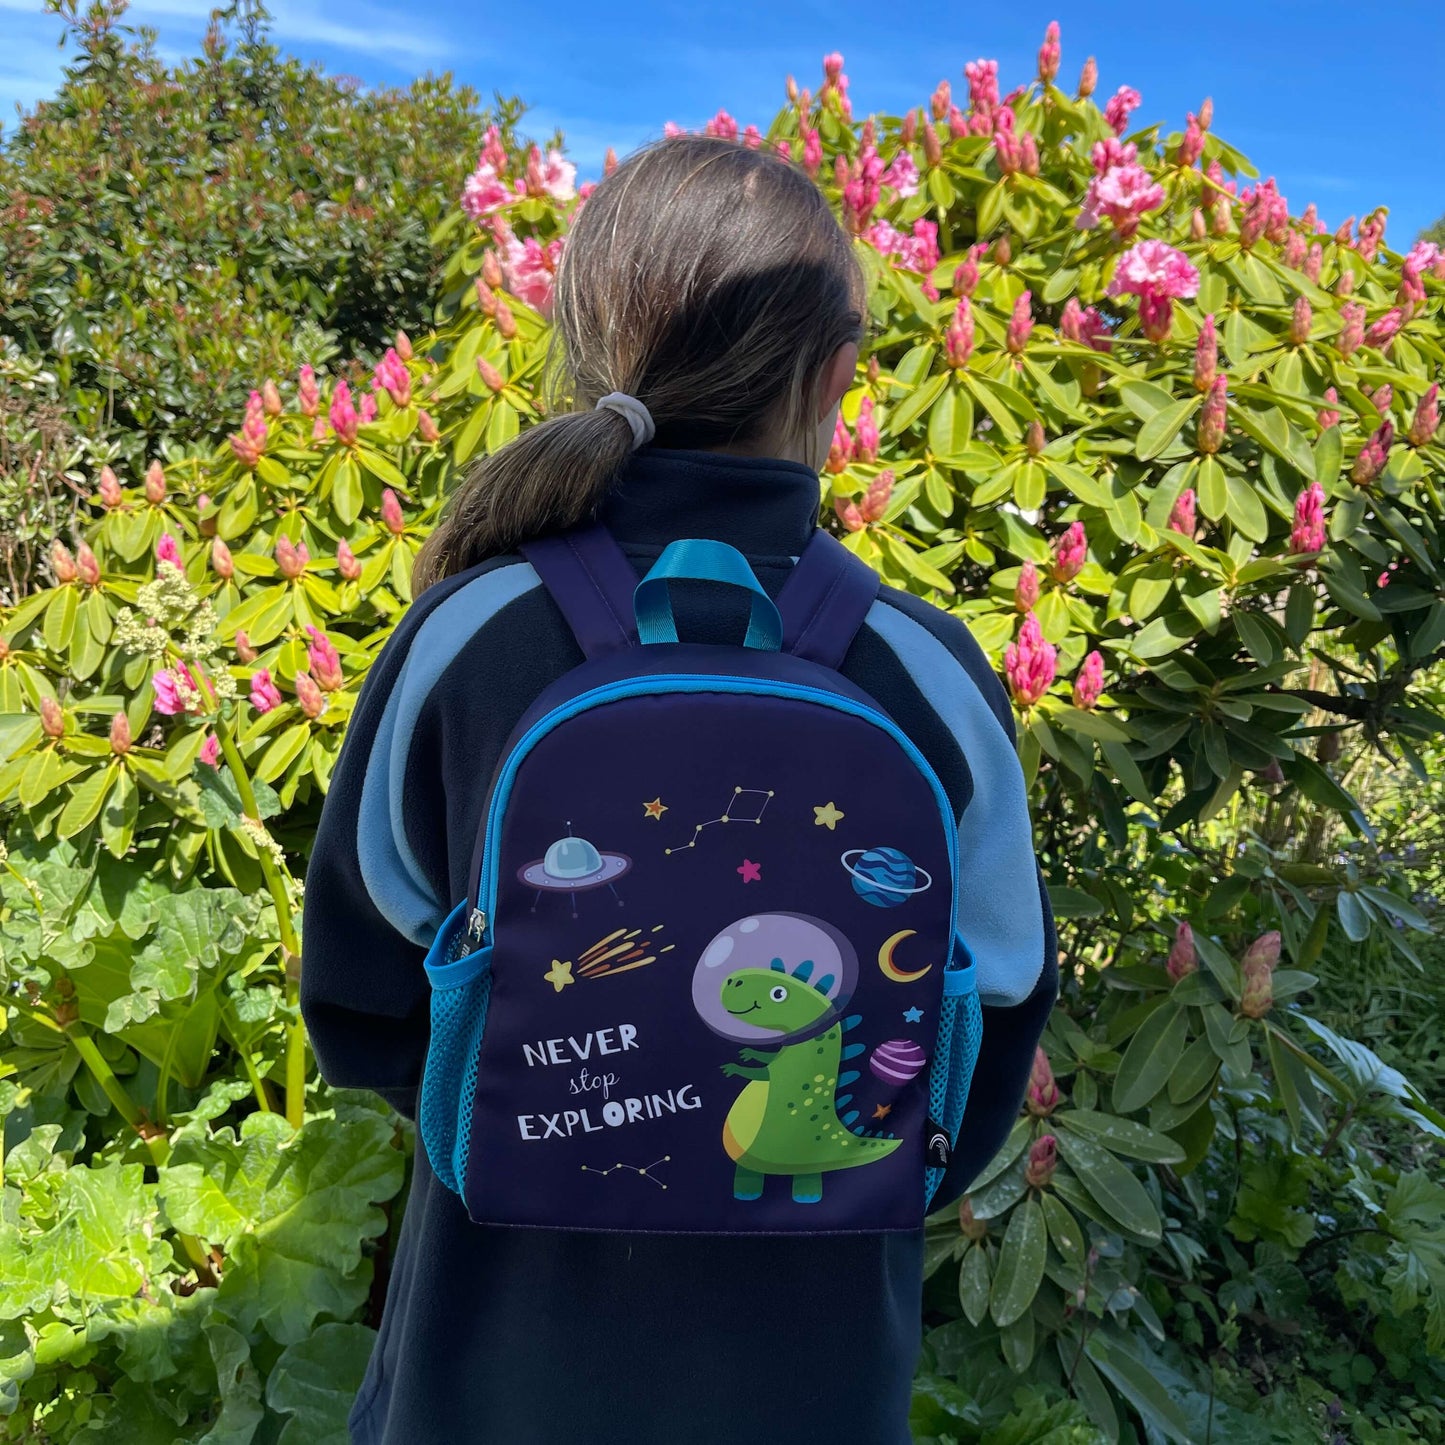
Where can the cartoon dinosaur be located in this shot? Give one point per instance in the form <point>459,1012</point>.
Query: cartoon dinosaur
<point>786,1119</point>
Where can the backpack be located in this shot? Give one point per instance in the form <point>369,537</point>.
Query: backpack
<point>706,977</point>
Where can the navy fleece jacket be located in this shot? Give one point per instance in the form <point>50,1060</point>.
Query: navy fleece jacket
<point>538,1337</point>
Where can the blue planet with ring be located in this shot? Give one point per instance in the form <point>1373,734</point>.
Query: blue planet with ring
<point>885,877</point>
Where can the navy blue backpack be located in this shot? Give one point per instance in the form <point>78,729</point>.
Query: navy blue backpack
<point>706,978</point>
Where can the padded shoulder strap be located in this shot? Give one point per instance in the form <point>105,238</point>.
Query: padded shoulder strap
<point>824,601</point>
<point>592,582</point>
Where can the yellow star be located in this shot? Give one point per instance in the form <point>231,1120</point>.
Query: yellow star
<point>828,816</point>
<point>559,975</point>
<point>882,1111</point>
<point>655,809</point>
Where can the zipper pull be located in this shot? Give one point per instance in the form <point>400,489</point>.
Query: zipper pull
<point>477,924</point>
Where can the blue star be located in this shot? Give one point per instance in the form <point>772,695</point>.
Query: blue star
<point>913,1015</point>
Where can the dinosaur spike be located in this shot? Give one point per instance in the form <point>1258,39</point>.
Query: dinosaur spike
<point>841,1100</point>
<point>804,970</point>
<point>823,983</point>
<point>858,1132</point>
<point>851,1077</point>
<point>851,1051</point>
<point>777,966</point>
<point>852,1022</point>
<point>850,1116</point>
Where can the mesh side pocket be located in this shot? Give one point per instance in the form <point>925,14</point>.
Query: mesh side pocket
<point>461,990</point>
<point>960,1035</point>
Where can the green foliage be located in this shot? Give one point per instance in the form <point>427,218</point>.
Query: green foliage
<point>1220,1219</point>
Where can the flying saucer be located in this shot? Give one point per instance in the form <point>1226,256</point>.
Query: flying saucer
<point>572,865</point>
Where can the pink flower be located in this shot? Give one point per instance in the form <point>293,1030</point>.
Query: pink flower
<point>391,512</point>
<point>1308,535</point>
<point>1156,273</point>
<point>155,484</point>
<point>1427,418</point>
<point>109,490</point>
<point>1021,323</point>
<point>1181,515</point>
<point>346,562</point>
<point>1257,968</point>
<point>865,433</point>
<point>982,76</point>
<point>529,268</point>
<point>210,753</point>
<point>1043,1095</point>
<point>841,451</point>
<point>1374,456</point>
<point>1123,193</point>
<point>367,410</point>
<point>291,559</point>
<point>250,442</point>
<point>484,192</point>
<point>670,128</point>
<point>1371,233</point>
<point>879,494</point>
<point>752,137</point>
<point>308,394</point>
<point>1423,256</point>
<point>1383,332</point>
<point>849,514</point>
<point>722,126</point>
<point>264,693</point>
<point>1026,591</point>
<point>1206,355</point>
<point>862,188</point>
<point>1328,417</point>
<point>1300,322</point>
<point>176,690</point>
<point>1050,53</point>
<point>1352,334</point>
<point>344,417</point>
<point>1030,664</point>
<point>1084,325</point>
<point>1213,417</point>
<point>958,342</point>
<point>392,376</point>
<point>168,550</point>
<point>1294,250</point>
<point>812,151</point>
<point>1090,682</point>
<point>1124,102</point>
<point>1070,553</point>
<point>901,175</point>
<point>1183,958</point>
<point>1043,1159</point>
<point>492,152</point>
<point>324,661</point>
<point>1266,213</point>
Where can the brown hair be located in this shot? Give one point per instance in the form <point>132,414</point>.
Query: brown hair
<point>710,281</point>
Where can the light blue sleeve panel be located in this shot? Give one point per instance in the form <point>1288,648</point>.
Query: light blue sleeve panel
<point>395,880</point>
<point>1000,916</point>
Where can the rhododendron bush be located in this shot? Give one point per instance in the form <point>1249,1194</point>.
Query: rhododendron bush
<point>1163,440</point>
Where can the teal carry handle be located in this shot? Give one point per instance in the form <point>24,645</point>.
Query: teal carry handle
<point>699,559</point>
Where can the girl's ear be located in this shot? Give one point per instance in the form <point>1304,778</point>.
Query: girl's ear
<point>838,376</point>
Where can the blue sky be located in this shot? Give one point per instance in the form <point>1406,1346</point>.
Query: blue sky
<point>1344,104</point>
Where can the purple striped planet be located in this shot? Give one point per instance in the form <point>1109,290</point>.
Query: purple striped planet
<point>899,1061</point>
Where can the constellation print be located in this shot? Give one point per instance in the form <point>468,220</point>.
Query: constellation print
<point>633,1169</point>
<point>728,816</point>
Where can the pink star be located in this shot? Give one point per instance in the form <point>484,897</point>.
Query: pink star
<point>752,872</point>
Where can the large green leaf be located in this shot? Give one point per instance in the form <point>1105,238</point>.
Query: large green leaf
<point>315,1381</point>
<point>1111,1186</point>
<point>1121,1136</point>
<point>1152,1054</point>
<point>1020,1268</point>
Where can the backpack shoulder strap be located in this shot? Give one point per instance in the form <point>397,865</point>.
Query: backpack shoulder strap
<point>592,582</point>
<point>824,601</point>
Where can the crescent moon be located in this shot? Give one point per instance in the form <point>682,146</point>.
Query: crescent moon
<point>891,969</point>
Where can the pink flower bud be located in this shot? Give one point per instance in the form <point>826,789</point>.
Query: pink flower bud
<point>1206,355</point>
<point>109,489</point>
<point>1183,958</point>
<point>52,720</point>
<point>324,661</point>
<point>1030,663</point>
<point>403,346</point>
<point>1381,397</point>
<point>1300,322</point>
<point>1090,682</point>
<point>1427,418</point>
<point>1213,417</point>
<point>1345,284</point>
<point>849,514</point>
<point>392,376</point>
<point>958,342</point>
<point>1192,146</point>
<point>345,420</point>
<point>965,275</point>
<point>308,394</point>
<point>1257,969</point>
<point>168,550</point>
<point>244,650</point>
<point>221,561</point>
<point>491,275</point>
<point>1383,332</point>
<point>1352,334</point>
<point>1026,591</point>
<point>1198,227</point>
<point>155,484</point>
<point>865,433</point>
<point>876,499</point>
<point>1043,1156</point>
<point>391,512</point>
<point>426,428</point>
<point>367,410</point>
<point>974,1229</point>
<point>62,564</point>
<point>1121,106</point>
<point>313,703</point>
<point>1294,250</point>
<point>291,559</point>
<point>271,398</point>
<point>506,322</point>
<point>1050,53</point>
<point>211,750</point>
<point>1034,439</point>
<point>492,378</point>
<point>1003,251</point>
<point>1374,456</point>
<point>1088,78</point>
<point>1221,213</point>
<point>1308,535</point>
<point>1043,1093</point>
<point>1206,113</point>
<point>1070,553</point>
<point>908,131</point>
<point>1344,236</point>
<point>932,147</point>
<point>1021,323</point>
<point>1313,262</point>
<point>840,453</point>
<point>1181,515</point>
<point>264,693</point>
<point>120,740</point>
<point>1329,417</point>
<point>346,562</point>
<point>86,566</point>
<point>206,525</point>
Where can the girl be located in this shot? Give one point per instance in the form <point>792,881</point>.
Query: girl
<point>708,317</point>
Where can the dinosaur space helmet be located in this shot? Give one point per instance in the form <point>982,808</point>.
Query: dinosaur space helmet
<point>808,948</point>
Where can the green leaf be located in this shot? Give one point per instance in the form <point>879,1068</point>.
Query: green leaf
<point>1245,510</point>
<point>1354,916</point>
<point>60,617</point>
<point>86,798</point>
<point>1121,1136</point>
<point>1136,1382</point>
<point>1152,1054</point>
<point>950,423</point>
<point>974,1283</point>
<point>346,493</point>
<point>1073,902</point>
<point>1112,1187</point>
<point>1144,399</point>
<point>901,417</point>
<point>1097,725</point>
<point>316,1381</point>
<point>1213,491</point>
<point>1163,426</point>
